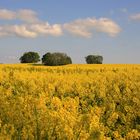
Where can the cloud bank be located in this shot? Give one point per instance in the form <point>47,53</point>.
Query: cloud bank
<point>25,15</point>
<point>30,30</point>
<point>31,26</point>
<point>87,27</point>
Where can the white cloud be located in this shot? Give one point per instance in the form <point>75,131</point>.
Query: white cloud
<point>23,31</point>
<point>135,16</point>
<point>30,30</point>
<point>23,14</point>
<point>87,27</point>
<point>46,29</point>
<point>32,27</point>
<point>16,30</point>
<point>27,16</point>
<point>7,14</point>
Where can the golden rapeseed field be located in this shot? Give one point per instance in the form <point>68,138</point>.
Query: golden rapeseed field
<point>73,102</point>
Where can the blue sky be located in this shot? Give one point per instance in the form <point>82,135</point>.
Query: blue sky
<point>77,27</point>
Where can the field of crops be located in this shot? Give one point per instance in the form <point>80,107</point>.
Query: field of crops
<point>73,102</point>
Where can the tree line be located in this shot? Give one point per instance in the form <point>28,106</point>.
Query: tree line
<point>57,58</point>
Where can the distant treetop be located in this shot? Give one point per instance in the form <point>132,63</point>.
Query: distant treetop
<point>30,57</point>
<point>94,59</point>
<point>56,59</point>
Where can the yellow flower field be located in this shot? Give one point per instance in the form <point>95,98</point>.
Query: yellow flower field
<point>73,102</point>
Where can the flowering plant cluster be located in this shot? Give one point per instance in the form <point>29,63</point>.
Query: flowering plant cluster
<point>73,102</point>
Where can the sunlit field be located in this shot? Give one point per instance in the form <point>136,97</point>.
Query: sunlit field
<point>72,102</point>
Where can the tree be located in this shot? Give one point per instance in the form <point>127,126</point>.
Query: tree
<point>56,59</point>
<point>30,57</point>
<point>94,59</point>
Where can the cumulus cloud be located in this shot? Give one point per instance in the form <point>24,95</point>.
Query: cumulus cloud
<point>87,27</point>
<point>23,14</point>
<point>27,16</point>
<point>32,27</point>
<point>7,14</point>
<point>46,29</point>
<point>30,30</point>
<point>16,30</point>
<point>135,16</point>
